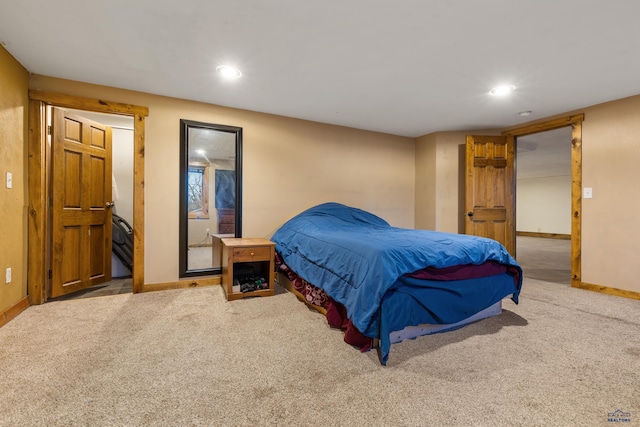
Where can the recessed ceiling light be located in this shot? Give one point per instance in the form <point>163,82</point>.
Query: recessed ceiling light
<point>228,72</point>
<point>502,90</point>
<point>525,113</point>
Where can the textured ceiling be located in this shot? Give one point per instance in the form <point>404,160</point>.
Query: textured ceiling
<point>406,68</point>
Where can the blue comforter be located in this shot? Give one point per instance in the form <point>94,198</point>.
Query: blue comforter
<point>356,257</point>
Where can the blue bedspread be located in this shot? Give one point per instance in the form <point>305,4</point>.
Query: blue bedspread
<point>356,257</point>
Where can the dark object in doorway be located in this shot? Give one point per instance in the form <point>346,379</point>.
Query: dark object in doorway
<point>122,240</point>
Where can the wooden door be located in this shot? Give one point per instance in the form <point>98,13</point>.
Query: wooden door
<point>80,203</point>
<point>490,189</point>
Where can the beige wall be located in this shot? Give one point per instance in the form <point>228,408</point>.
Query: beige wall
<point>14,83</point>
<point>440,180</point>
<point>448,174</point>
<point>543,204</point>
<point>288,165</point>
<point>610,229</point>
<point>292,164</point>
<point>122,151</point>
<point>610,159</point>
<point>426,182</point>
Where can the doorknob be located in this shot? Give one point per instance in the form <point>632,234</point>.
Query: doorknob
<point>469,214</point>
<point>109,205</point>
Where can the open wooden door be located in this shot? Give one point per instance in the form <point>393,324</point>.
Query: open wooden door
<point>81,203</point>
<point>490,189</point>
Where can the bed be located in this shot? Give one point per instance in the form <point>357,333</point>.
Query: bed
<point>382,284</point>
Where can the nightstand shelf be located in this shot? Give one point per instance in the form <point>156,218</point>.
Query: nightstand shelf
<point>247,267</point>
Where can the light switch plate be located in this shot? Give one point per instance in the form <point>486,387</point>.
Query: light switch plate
<point>587,192</point>
<point>9,180</point>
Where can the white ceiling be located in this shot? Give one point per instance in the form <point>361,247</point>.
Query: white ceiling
<point>544,154</point>
<point>407,67</point>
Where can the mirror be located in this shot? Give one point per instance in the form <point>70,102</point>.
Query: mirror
<point>210,194</point>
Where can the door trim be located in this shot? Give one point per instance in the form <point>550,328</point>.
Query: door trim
<point>575,121</point>
<point>38,209</point>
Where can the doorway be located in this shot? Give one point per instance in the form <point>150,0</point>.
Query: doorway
<point>120,194</point>
<point>574,123</point>
<point>543,205</point>
<point>38,273</point>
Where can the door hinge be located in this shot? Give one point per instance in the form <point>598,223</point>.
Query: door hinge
<point>48,129</point>
<point>50,274</point>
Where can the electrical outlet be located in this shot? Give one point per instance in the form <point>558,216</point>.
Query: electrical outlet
<point>8,275</point>
<point>9,180</point>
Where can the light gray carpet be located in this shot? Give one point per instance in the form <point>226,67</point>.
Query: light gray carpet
<point>187,357</point>
<point>545,259</point>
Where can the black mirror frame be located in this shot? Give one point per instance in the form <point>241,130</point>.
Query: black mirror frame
<point>184,167</point>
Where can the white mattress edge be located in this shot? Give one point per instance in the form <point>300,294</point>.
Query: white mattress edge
<point>411,332</point>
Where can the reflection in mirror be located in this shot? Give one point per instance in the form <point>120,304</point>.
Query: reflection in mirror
<point>210,194</point>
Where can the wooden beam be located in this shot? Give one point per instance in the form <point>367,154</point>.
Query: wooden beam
<point>576,204</point>
<point>544,235</point>
<point>607,290</point>
<point>90,104</point>
<point>138,203</point>
<point>181,284</point>
<point>544,126</point>
<point>38,208</point>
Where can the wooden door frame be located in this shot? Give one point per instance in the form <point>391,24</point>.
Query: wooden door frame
<point>38,181</point>
<point>575,121</point>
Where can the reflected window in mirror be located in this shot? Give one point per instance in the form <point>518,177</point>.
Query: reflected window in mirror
<point>210,194</point>
<point>198,191</point>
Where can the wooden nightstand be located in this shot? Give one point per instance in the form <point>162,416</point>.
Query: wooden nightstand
<point>247,267</point>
